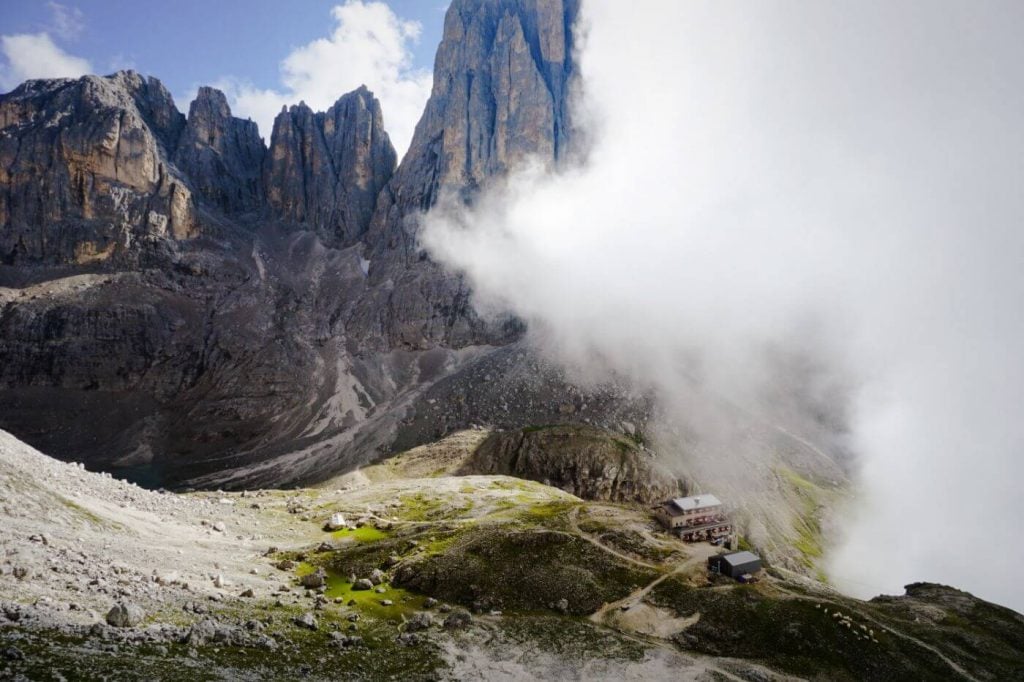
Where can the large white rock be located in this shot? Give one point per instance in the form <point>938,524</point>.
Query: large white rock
<point>336,522</point>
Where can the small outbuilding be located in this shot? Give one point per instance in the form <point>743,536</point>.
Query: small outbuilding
<point>735,565</point>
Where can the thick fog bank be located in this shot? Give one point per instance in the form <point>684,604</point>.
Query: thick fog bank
<point>800,207</point>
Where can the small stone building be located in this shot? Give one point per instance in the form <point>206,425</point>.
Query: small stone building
<point>736,564</point>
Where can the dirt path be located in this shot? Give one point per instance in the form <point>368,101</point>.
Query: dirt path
<point>638,595</point>
<point>575,526</point>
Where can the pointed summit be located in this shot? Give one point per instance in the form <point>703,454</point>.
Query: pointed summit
<point>502,78</point>
<point>326,169</point>
<point>221,154</point>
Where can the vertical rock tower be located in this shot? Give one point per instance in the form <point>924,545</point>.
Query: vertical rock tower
<point>326,169</point>
<point>221,154</point>
<point>502,81</point>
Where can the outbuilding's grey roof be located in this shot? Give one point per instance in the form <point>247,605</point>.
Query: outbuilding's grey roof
<point>696,502</point>
<point>737,558</point>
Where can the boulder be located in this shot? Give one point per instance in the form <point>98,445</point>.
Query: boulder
<point>420,621</point>
<point>209,631</point>
<point>307,621</point>
<point>125,615</point>
<point>315,579</point>
<point>362,584</point>
<point>336,522</point>
<point>458,619</point>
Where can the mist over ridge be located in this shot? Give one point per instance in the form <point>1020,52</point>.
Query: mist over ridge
<point>797,209</point>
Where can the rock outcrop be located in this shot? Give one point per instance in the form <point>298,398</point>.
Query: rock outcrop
<point>222,155</point>
<point>326,169</point>
<point>502,78</point>
<point>588,462</point>
<point>84,169</point>
<point>99,168</point>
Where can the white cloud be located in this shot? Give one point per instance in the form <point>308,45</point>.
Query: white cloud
<point>839,179</point>
<point>35,55</point>
<point>370,45</point>
<point>68,22</point>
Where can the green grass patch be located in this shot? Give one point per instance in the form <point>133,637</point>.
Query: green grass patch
<point>544,513</point>
<point>419,507</point>
<point>87,515</point>
<point>523,570</point>
<point>513,484</point>
<point>808,540</point>
<point>798,481</point>
<point>365,533</point>
<point>367,602</point>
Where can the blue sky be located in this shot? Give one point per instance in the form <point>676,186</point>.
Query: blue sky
<point>235,44</point>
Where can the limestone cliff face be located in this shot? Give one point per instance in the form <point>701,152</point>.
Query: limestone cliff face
<point>502,79</point>
<point>84,170</point>
<point>95,168</point>
<point>325,170</point>
<point>501,85</point>
<point>221,155</point>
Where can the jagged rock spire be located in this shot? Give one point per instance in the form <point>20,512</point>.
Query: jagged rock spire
<point>222,155</point>
<point>326,169</point>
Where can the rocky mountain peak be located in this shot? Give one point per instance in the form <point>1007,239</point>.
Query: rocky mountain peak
<point>83,168</point>
<point>326,169</point>
<point>501,79</point>
<point>148,95</point>
<point>210,103</point>
<point>222,155</point>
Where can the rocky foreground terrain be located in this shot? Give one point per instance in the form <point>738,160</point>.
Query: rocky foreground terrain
<point>403,570</point>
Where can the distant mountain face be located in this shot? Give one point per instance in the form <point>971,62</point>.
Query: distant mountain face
<point>188,307</point>
<point>183,301</point>
<point>105,168</point>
